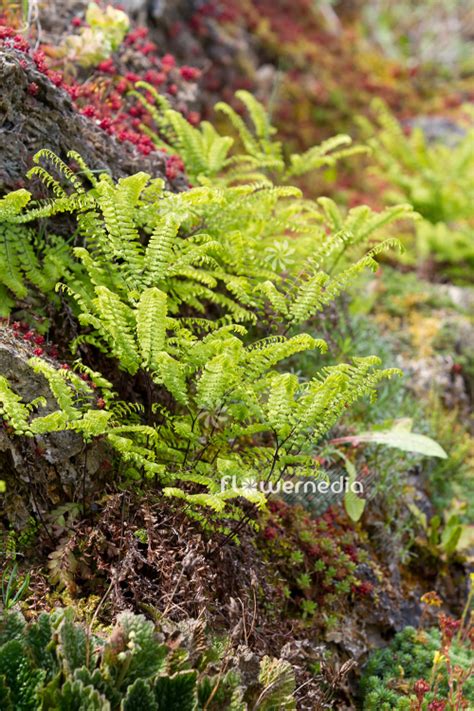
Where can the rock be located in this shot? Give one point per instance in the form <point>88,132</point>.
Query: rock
<point>46,118</point>
<point>438,129</point>
<point>437,372</point>
<point>43,471</point>
<point>461,296</point>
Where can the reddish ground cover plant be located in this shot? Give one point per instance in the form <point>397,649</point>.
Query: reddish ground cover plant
<point>100,89</point>
<point>317,561</point>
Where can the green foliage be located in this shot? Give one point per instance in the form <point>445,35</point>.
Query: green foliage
<point>104,33</point>
<point>391,673</point>
<point>54,664</point>
<point>12,587</point>
<point>170,286</point>
<point>27,259</point>
<point>436,178</point>
<point>400,437</point>
<point>208,155</point>
<point>442,537</point>
<point>315,559</point>
<point>276,676</point>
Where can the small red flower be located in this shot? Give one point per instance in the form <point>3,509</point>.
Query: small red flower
<point>174,165</point>
<point>107,66</point>
<point>38,351</point>
<point>365,588</point>
<point>148,48</point>
<point>122,86</point>
<point>33,88</point>
<point>6,32</point>
<point>154,77</point>
<point>56,77</point>
<point>106,124</point>
<point>89,111</point>
<point>437,705</point>
<point>73,91</point>
<point>421,688</point>
<point>137,34</point>
<point>168,62</point>
<point>449,627</point>
<point>194,118</point>
<point>40,60</point>
<point>190,73</point>
<point>21,44</point>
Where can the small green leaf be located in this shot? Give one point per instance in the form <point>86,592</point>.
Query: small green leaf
<point>353,503</point>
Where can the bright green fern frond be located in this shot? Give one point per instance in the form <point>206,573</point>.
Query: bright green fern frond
<point>12,409</point>
<point>116,323</point>
<point>151,325</point>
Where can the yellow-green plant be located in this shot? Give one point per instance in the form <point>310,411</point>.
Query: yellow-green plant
<point>435,177</point>
<point>252,154</point>
<point>200,296</point>
<point>103,34</point>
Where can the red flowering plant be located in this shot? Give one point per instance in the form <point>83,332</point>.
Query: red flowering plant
<point>425,669</point>
<point>98,64</point>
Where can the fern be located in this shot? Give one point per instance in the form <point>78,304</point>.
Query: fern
<point>436,178</point>
<point>182,291</point>
<point>207,154</point>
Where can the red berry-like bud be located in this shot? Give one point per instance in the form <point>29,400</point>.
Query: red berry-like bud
<point>107,66</point>
<point>190,73</point>
<point>421,688</point>
<point>168,62</point>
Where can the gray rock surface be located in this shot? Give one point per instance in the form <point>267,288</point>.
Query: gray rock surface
<point>47,119</point>
<point>43,471</point>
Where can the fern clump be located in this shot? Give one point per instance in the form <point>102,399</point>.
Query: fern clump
<point>202,296</point>
<point>56,664</point>
<point>436,178</point>
<point>252,154</point>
